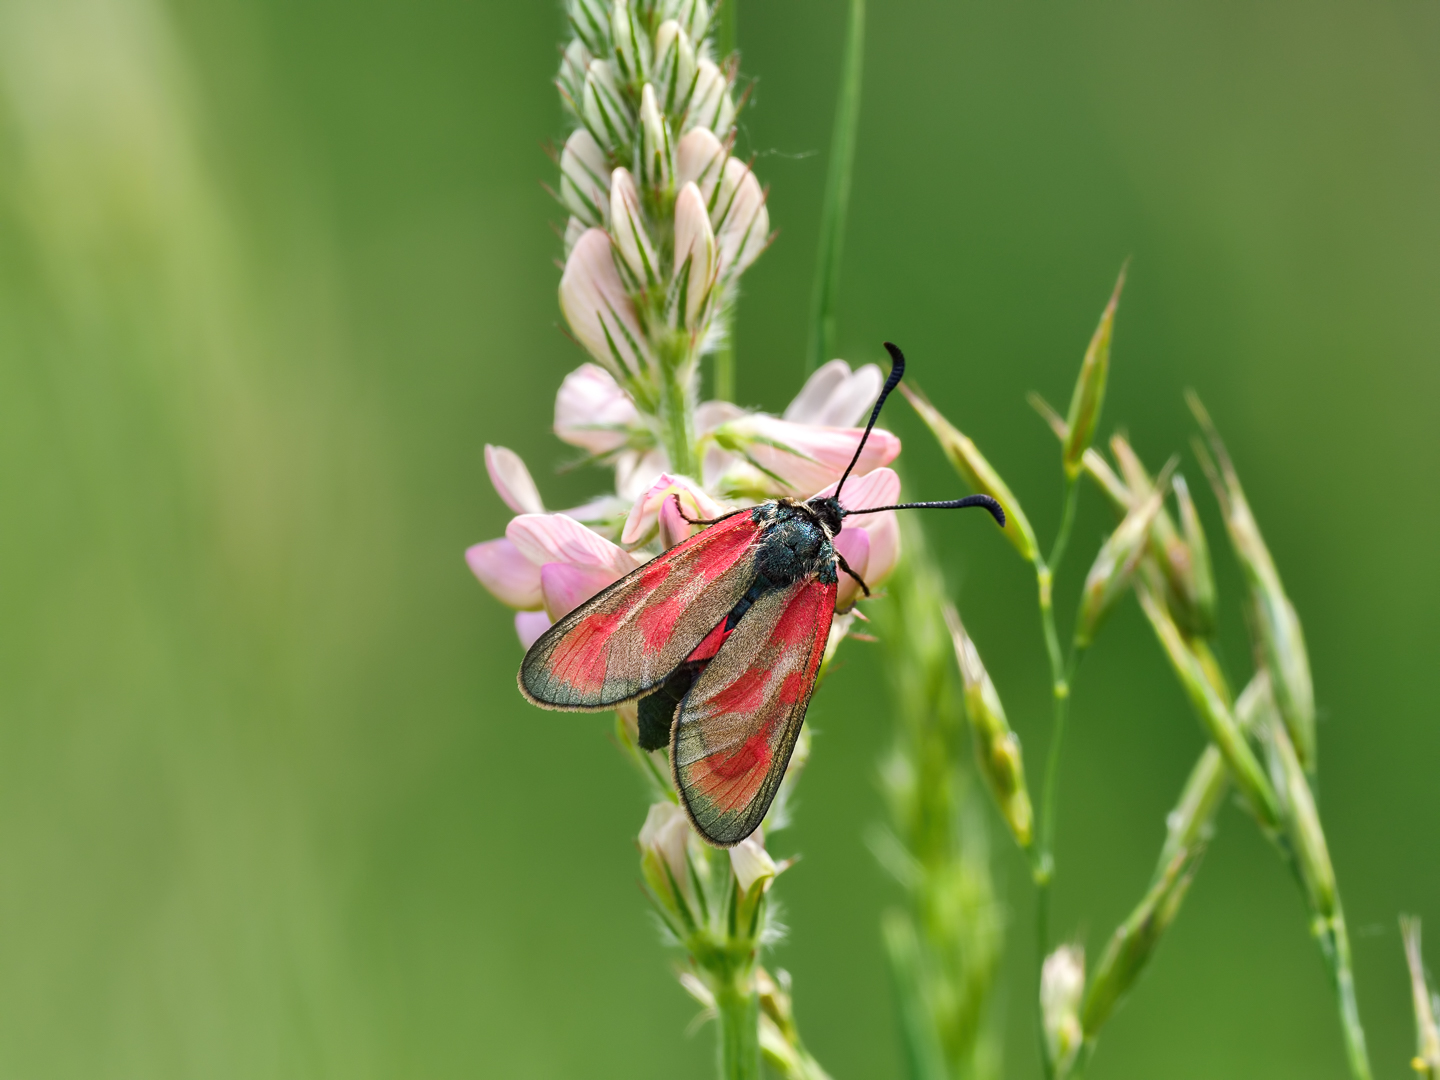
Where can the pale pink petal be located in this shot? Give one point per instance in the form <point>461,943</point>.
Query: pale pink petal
<point>853,545</point>
<point>700,158</point>
<point>710,103</point>
<point>878,487</point>
<point>695,245</point>
<point>598,309</point>
<point>627,225</point>
<point>709,415</point>
<point>742,223</point>
<point>807,458</point>
<point>666,832</point>
<point>643,514</point>
<point>809,404</point>
<point>502,569</point>
<point>585,178</point>
<point>752,863</point>
<point>636,471</point>
<point>529,625</point>
<point>884,533</point>
<point>512,480</point>
<point>837,397</point>
<point>565,587</point>
<point>547,538</point>
<point>591,411</point>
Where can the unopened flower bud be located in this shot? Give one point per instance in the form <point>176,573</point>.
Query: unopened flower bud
<point>1135,940</point>
<point>1282,640</point>
<point>590,20</point>
<point>664,854</point>
<point>1062,985</point>
<point>627,226</point>
<point>977,472</point>
<point>675,66</point>
<point>1089,393</point>
<point>693,279</point>
<point>742,223</point>
<point>585,178</point>
<point>632,44</point>
<point>694,17</point>
<point>606,114</point>
<point>997,748</point>
<point>1114,567</point>
<point>752,864</point>
<point>599,310</point>
<point>700,157</point>
<point>1213,713</point>
<point>571,79</point>
<point>655,154</point>
<point>1427,1033</point>
<point>710,105</point>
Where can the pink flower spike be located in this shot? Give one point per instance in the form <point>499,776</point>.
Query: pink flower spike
<point>512,480</point>
<point>555,538</point>
<point>565,587</point>
<point>529,625</point>
<point>649,507</point>
<point>592,412</point>
<point>502,569</point>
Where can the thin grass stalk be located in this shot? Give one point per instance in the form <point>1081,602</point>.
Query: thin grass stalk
<point>837,193</point>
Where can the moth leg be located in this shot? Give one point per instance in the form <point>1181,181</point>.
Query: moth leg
<point>846,567</point>
<point>680,509</point>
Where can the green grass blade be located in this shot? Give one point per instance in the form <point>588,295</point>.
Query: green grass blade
<point>837,194</point>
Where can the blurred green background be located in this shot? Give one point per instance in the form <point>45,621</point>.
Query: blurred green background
<point>272,273</point>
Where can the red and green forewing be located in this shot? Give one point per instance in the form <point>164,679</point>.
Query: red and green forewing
<point>626,640</point>
<point>739,722</point>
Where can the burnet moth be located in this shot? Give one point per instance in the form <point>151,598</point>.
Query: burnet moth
<point>719,640</point>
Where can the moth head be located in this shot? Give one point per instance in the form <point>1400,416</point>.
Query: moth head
<point>827,509</point>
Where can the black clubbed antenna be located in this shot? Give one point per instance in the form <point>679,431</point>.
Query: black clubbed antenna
<point>996,510</point>
<point>897,372</point>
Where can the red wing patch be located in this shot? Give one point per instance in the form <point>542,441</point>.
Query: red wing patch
<point>738,724</point>
<point>625,641</point>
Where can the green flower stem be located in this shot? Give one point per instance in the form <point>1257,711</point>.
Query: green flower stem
<point>738,1006</point>
<point>676,411</point>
